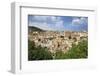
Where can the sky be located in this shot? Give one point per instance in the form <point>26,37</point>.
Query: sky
<point>59,23</point>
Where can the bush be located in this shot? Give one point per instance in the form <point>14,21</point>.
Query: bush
<point>59,55</point>
<point>31,45</point>
<point>38,53</point>
<point>78,51</point>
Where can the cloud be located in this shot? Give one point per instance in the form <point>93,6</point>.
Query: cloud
<point>79,21</point>
<point>76,21</point>
<point>40,25</point>
<point>83,20</point>
<point>46,22</point>
<point>59,23</point>
<point>39,18</point>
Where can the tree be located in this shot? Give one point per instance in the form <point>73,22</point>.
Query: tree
<point>42,53</point>
<point>59,55</point>
<point>78,51</point>
<point>31,45</point>
<point>38,53</point>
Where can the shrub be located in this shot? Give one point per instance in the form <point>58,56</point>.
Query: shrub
<point>38,53</point>
<point>78,51</point>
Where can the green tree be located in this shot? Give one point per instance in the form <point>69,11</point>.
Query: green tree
<point>38,53</point>
<point>31,45</point>
<point>59,55</point>
<point>78,51</point>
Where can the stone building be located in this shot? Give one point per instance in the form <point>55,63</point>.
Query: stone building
<point>55,41</point>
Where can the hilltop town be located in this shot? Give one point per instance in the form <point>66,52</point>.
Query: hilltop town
<point>55,40</point>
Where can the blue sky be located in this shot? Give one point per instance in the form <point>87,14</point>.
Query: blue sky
<point>59,23</point>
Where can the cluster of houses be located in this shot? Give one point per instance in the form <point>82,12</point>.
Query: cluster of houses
<point>54,40</point>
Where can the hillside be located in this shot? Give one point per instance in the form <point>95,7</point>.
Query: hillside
<point>31,28</point>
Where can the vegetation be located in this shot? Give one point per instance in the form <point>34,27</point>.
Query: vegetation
<point>34,29</point>
<point>40,53</point>
<point>78,51</point>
